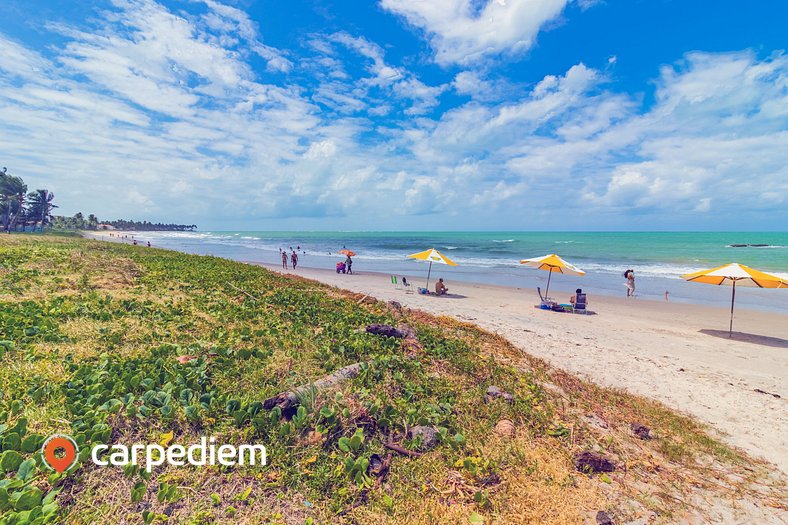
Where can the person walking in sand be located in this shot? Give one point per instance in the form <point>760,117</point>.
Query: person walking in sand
<point>294,260</point>
<point>629,275</point>
<point>349,264</point>
<point>284,259</point>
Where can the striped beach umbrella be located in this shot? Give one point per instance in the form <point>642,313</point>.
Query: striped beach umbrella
<point>552,263</point>
<point>433,256</point>
<point>735,274</point>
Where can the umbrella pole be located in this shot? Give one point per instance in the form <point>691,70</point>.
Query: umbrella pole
<point>548,284</point>
<point>733,298</point>
<point>428,276</point>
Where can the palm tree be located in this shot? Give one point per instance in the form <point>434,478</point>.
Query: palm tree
<point>40,208</point>
<point>12,198</point>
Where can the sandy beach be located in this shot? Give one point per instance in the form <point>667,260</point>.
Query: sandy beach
<point>678,354</point>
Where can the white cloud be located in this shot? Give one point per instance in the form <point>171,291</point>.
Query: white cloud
<point>18,61</point>
<point>321,149</point>
<point>461,34</point>
<point>391,80</point>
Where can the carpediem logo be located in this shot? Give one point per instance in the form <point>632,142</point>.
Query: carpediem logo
<point>60,453</point>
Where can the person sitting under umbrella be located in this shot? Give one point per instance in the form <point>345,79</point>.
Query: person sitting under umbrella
<point>440,287</point>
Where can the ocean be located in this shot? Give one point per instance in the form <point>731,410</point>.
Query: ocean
<point>658,258</point>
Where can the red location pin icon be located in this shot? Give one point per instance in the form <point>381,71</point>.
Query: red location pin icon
<point>60,452</point>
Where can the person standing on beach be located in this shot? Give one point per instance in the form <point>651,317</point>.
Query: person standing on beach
<point>630,276</point>
<point>284,259</point>
<point>349,264</point>
<point>294,259</point>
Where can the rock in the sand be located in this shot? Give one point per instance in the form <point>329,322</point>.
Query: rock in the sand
<point>596,421</point>
<point>428,435</point>
<point>494,392</point>
<point>395,305</point>
<point>407,331</point>
<point>641,431</point>
<point>505,428</point>
<point>602,518</point>
<point>592,462</point>
<point>385,330</point>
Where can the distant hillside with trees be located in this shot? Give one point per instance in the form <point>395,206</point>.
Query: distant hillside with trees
<point>20,210</point>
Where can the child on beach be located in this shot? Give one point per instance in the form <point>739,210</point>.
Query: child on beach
<point>629,275</point>
<point>284,259</point>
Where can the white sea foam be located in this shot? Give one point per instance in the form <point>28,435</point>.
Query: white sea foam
<point>503,240</point>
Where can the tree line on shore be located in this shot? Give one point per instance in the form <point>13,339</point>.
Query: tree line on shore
<point>91,222</point>
<point>23,211</point>
<point>18,208</point>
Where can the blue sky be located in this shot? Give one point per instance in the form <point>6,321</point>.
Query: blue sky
<point>402,114</point>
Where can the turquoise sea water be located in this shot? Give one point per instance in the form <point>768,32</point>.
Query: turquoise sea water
<point>658,259</point>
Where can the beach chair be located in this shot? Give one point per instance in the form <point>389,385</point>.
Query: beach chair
<point>396,283</point>
<point>580,304</point>
<point>546,302</point>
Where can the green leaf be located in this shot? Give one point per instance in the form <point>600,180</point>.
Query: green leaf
<point>349,464</point>
<point>10,460</point>
<point>192,413</point>
<point>50,497</point>
<point>355,442</point>
<point>5,501</point>
<point>344,444</point>
<point>605,479</point>
<point>31,443</point>
<point>48,509</point>
<point>26,469</point>
<point>29,499</point>
<point>11,441</point>
<point>243,496</point>
<point>20,427</point>
<point>476,519</point>
<point>138,492</point>
<point>216,500</point>
<point>232,406</point>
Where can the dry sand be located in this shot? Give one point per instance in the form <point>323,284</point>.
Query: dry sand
<point>679,354</point>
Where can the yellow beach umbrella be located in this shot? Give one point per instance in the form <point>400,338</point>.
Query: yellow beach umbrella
<point>734,274</point>
<point>433,256</point>
<point>552,263</point>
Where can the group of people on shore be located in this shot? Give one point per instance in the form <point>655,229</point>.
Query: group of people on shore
<point>293,257</point>
<point>124,238</point>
